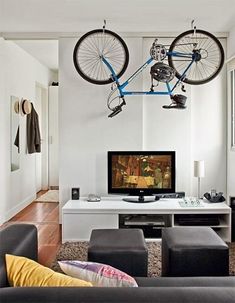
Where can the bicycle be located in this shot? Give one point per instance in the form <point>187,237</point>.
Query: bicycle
<point>194,57</point>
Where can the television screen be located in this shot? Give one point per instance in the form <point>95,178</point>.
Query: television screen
<point>141,173</point>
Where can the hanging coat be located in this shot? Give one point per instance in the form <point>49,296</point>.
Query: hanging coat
<point>17,139</point>
<point>33,132</point>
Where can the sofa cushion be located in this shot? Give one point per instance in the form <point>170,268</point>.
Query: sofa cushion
<point>22,271</point>
<point>98,274</point>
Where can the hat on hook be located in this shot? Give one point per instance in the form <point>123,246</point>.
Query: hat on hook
<point>26,107</point>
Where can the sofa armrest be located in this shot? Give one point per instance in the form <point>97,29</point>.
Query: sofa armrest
<point>20,240</point>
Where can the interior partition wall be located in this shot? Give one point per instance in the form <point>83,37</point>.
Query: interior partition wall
<point>231,128</point>
<point>86,133</point>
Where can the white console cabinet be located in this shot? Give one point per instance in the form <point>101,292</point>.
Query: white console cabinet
<point>79,217</point>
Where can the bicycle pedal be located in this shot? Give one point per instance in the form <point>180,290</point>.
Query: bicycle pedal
<point>116,111</point>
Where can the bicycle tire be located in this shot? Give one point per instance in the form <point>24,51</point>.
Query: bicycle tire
<point>209,67</point>
<point>87,56</point>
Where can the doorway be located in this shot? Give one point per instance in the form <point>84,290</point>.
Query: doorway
<point>53,136</point>
<point>47,164</point>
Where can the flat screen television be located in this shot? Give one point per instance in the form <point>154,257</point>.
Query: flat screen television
<point>141,173</point>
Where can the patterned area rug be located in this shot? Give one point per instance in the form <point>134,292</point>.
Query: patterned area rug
<point>78,251</point>
<point>49,196</point>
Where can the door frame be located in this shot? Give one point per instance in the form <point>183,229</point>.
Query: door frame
<point>44,135</point>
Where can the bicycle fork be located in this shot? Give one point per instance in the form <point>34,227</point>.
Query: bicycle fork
<point>117,109</point>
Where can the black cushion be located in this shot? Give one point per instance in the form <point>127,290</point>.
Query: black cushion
<point>193,251</point>
<point>22,239</point>
<point>124,249</point>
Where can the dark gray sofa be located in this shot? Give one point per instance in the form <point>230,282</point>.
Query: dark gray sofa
<point>21,239</point>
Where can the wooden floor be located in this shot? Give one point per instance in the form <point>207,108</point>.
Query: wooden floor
<point>45,216</point>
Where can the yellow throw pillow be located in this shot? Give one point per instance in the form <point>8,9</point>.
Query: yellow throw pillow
<point>22,271</point>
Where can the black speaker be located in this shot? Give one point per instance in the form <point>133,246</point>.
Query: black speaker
<point>75,193</point>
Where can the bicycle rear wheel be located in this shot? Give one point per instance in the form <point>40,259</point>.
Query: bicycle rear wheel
<point>210,56</point>
<point>90,49</point>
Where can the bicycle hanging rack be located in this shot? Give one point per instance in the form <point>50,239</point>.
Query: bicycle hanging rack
<point>194,57</point>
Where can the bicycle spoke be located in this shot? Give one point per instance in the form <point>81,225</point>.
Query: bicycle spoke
<point>90,51</point>
<point>208,52</point>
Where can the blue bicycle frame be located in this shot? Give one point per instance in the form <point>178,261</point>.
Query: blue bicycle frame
<point>170,89</point>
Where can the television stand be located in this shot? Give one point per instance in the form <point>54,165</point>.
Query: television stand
<point>140,199</point>
<point>80,217</point>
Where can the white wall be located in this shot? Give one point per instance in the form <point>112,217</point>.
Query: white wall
<point>19,73</point>
<point>208,135</point>
<point>230,150</point>
<point>85,131</point>
<point>86,134</point>
<point>231,43</point>
<point>167,129</point>
<point>4,135</point>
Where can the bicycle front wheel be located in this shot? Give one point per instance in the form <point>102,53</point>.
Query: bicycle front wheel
<point>209,60</point>
<point>90,49</point>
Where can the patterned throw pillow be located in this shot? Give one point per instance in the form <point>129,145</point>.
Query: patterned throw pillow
<point>98,274</point>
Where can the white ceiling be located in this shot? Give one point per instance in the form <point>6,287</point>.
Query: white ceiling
<point>76,16</point>
<point>122,15</point>
<point>45,51</point>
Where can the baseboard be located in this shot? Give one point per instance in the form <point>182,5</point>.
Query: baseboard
<point>13,211</point>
